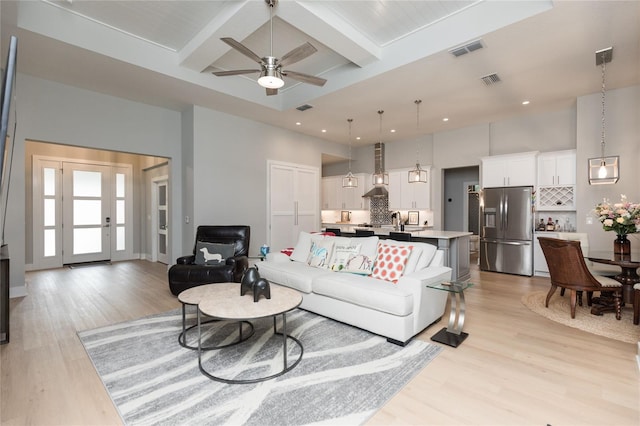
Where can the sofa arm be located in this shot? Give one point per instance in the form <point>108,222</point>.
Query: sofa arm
<point>186,260</point>
<point>239,264</point>
<point>428,303</point>
<point>278,257</point>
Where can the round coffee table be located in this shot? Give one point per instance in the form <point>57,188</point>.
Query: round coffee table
<point>193,296</point>
<point>224,302</point>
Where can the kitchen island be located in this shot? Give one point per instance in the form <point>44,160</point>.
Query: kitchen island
<point>454,244</point>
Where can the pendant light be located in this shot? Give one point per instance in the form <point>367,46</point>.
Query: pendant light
<point>350,181</point>
<point>380,177</point>
<point>417,175</point>
<point>604,170</point>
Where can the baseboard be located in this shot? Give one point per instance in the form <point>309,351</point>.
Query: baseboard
<point>19,291</point>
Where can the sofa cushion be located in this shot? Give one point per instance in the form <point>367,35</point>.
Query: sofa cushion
<point>212,253</point>
<point>341,254</point>
<point>391,261</point>
<point>296,275</point>
<point>365,291</point>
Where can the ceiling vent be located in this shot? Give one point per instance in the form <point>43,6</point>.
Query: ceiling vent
<point>467,48</point>
<point>490,79</point>
<point>304,107</point>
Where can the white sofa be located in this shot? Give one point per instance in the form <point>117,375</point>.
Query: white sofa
<point>397,310</point>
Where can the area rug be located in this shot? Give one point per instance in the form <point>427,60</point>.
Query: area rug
<point>345,375</point>
<point>559,310</point>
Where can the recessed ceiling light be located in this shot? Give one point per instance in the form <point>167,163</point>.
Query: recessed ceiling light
<point>358,137</point>
<point>324,130</point>
<point>298,123</point>
<point>445,119</point>
<point>525,102</point>
<point>393,130</point>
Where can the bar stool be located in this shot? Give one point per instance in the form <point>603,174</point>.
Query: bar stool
<point>364,233</point>
<point>400,236</point>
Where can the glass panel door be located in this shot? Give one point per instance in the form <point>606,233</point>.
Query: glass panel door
<point>162,218</point>
<point>87,208</point>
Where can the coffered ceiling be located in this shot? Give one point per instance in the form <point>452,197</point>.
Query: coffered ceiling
<point>374,54</point>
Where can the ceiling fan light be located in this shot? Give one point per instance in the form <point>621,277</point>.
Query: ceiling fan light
<point>271,79</point>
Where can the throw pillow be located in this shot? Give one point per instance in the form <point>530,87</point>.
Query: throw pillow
<point>212,253</point>
<point>341,254</point>
<point>320,254</point>
<point>358,264</point>
<point>390,262</point>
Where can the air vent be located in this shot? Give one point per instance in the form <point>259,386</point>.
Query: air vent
<point>304,107</point>
<point>467,48</point>
<point>490,79</point>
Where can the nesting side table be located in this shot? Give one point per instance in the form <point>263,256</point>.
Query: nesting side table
<point>452,335</point>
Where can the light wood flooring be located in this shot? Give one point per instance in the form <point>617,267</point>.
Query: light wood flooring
<point>516,368</point>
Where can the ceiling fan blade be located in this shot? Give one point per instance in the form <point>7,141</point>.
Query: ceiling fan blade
<point>233,72</point>
<point>305,78</point>
<point>242,49</point>
<point>271,92</point>
<point>298,54</point>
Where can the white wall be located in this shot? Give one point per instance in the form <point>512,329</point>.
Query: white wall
<point>622,137</point>
<point>230,168</point>
<point>48,111</point>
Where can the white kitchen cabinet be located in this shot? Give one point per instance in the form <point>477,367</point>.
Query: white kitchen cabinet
<point>509,170</point>
<point>408,196</point>
<point>335,197</point>
<point>540,267</point>
<point>557,168</point>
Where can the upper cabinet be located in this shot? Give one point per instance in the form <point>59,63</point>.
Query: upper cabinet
<point>557,180</point>
<point>408,196</point>
<point>557,168</point>
<point>509,170</point>
<point>335,197</point>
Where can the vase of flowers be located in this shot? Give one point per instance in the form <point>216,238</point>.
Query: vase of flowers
<point>623,218</point>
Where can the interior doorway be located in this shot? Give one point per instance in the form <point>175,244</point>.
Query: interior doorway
<point>456,198</point>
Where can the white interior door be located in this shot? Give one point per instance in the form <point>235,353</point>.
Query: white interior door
<point>294,203</point>
<point>87,213</point>
<point>161,220</point>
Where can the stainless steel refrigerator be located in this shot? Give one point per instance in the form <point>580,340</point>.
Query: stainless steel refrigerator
<point>506,230</point>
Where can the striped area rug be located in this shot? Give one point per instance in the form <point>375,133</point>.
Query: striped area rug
<point>345,376</point>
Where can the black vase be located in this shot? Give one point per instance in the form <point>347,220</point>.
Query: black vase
<point>621,245</point>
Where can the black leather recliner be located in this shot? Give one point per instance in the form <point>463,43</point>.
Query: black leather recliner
<point>186,274</point>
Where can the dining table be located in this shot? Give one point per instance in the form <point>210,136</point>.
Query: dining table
<point>628,263</point>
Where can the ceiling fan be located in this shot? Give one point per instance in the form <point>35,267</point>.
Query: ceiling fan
<point>271,68</point>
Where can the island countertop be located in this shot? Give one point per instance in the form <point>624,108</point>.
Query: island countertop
<point>425,233</point>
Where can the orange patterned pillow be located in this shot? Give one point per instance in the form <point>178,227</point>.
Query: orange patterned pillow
<point>390,262</point>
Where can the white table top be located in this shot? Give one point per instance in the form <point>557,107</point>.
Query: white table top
<point>223,301</point>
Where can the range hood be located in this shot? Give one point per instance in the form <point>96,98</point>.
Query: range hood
<point>378,191</point>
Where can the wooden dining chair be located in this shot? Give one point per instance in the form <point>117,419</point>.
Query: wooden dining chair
<point>567,269</point>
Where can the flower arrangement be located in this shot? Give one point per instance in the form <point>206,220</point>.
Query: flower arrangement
<point>623,218</point>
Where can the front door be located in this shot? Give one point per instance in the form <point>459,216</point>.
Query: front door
<point>87,213</point>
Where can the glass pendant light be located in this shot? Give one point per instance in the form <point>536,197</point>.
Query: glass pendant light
<point>350,181</point>
<point>604,170</point>
<point>380,177</point>
<point>417,175</point>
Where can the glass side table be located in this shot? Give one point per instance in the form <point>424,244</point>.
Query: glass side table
<point>452,335</point>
